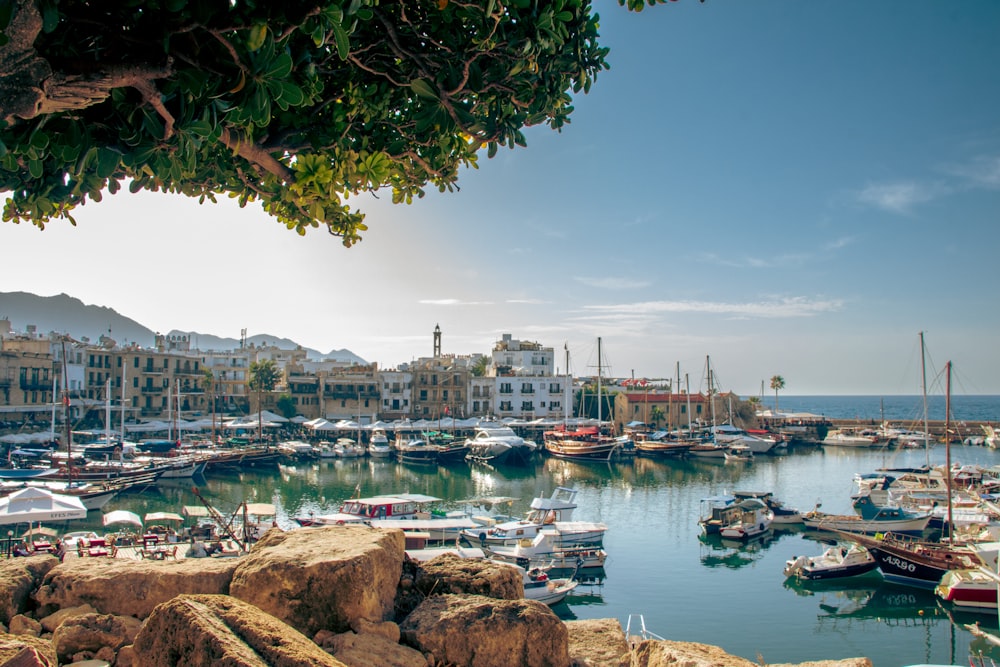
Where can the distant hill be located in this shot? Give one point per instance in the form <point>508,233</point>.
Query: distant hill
<point>66,314</point>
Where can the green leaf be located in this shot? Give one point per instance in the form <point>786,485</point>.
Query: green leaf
<point>280,67</point>
<point>36,168</point>
<point>343,43</point>
<point>255,39</point>
<point>107,162</point>
<point>291,94</point>
<point>423,89</point>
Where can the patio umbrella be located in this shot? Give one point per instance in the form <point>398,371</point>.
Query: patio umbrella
<point>122,516</point>
<point>34,504</point>
<point>40,530</point>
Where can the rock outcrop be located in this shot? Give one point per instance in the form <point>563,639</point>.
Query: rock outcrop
<point>339,586</point>
<point>212,630</point>
<point>131,588</point>
<point>26,652</point>
<point>478,631</point>
<point>19,577</point>
<point>322,578</point>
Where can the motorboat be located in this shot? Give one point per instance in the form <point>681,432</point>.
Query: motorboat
<point>738,453</point>
<point>539,586</point>
<point>904,524</point>
<point>752,518</point>
<point>324,450</point>
<point>553,513</point>
<point>348,448</point>
<point>378,444</point>
<point>496,443</point>
<point>416,451</point>
<point>852,438</point>
<point>969,588</point>
<point>783,515</point>
<point>547,547</point>
<point>716,512</point>
<point>296,449</point>
<point>835,562</point>
<point>364,510</point>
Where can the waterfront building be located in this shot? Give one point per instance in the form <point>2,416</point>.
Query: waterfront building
<point>396,394</point>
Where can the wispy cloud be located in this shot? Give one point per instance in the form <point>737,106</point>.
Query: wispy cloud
<point>530,302</point>
<point>839,244</point>
<point>611,282</point>
<point>899,197</point>
<point>453,302</point>
<point>774,308</point>
<point>783,261</point>
<point>981,172</point>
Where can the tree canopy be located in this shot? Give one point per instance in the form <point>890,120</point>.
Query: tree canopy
<point>297,105</point>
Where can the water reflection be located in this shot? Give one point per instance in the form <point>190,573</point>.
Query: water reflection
<point>718,551</point>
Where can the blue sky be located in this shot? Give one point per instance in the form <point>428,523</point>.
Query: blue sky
<point>788,188</point>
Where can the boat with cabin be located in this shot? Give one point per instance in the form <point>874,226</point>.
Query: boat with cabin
<point>553,513</point>
<point>836,562</point>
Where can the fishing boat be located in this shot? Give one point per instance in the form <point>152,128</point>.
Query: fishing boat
<point>539,586</point>
<point>834,563</point>
<point>553,513</point>
<point>750,519</point>
<point>894,520</point>
<point>584,443</point>
<point>415,450</point>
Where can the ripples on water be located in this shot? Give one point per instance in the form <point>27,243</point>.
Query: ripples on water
<point>895,408</point>
<point>688,588</point>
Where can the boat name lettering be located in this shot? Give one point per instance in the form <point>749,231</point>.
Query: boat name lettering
<point>900,563</point>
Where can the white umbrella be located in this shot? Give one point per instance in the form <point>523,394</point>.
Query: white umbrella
<point>163,516</point>
<point>122,516</point>
<point>34,504</point>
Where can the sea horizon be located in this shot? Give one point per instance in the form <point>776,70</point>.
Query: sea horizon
<point>897,407</point>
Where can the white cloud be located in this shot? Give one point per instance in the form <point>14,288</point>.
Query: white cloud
<point>900,197</point>
<point>775,308</point>
<point>611,282</point>
<point>982,172</point>
<point>452,302</point>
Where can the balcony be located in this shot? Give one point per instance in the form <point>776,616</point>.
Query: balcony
<point>150,389</point>
<point>32,385</point>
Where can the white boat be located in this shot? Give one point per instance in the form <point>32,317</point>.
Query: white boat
<point>348,448</point>
<point>546,548</point>
<point>969,588</point>
<point>364,510</point>
<point>324,450</point>
<point>738,453</point>
<point>497,443</point>
<point>296,449</point>
<point>851,438</point>
<point>554,512</point>
<point>835,562</point>
<point>542,588</point>
<point>378,444</point>
<point>912,525</point>
<point>751,519</point>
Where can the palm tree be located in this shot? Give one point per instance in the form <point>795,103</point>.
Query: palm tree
<point>208,384</point>
<point>264,376</point>
<point>777,382</point>
<point>657,415</point>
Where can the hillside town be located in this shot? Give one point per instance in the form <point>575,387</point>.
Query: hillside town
<point>517,379</point>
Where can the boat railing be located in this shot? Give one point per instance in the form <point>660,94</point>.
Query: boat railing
<point>641,633</point>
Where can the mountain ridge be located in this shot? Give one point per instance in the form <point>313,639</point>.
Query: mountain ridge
<point>63,313</point>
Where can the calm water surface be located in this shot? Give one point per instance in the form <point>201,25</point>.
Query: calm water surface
<point>659,565</point>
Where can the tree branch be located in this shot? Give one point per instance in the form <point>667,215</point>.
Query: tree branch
<point>256,155</point>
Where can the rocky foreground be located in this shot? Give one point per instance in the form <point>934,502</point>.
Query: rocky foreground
<point>322,596</point>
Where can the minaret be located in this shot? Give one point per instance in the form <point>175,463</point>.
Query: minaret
<point>437,341</point>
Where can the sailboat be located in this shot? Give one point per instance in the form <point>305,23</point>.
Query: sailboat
<point>588,443</point>
<point>920,563</point>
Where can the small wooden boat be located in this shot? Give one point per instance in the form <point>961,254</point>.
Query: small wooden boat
<point>836,562</point>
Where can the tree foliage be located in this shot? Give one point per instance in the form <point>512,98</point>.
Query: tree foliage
<point>777,383</point>
<point>264,375</point>
<point>297,105</point>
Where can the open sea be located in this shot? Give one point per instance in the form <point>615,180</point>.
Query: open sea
<point>659,566</point>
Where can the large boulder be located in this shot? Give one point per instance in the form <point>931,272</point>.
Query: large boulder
<point>220,631</point>
<point>26,652</point>
<point>18,578</point>
<point>598,642</point>
<point>373,650</point>
<point>449,573</point>
<point>477,631</point>
<point>130,588</point>
<point>651,653</point>
<point>322,578</point>
<point>93,632</point>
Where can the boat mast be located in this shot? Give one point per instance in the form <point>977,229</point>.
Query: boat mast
<point>947,446</point>
<point>711,397</point>
<point>107,411</point>
<point>687,391</point>
<point>567,392</point>
<point>124,374</point>
<point>598,383</point>
<point>65,402</point>
<point>923,389</point>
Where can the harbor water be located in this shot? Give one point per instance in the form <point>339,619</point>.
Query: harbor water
<point>685,586</point>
